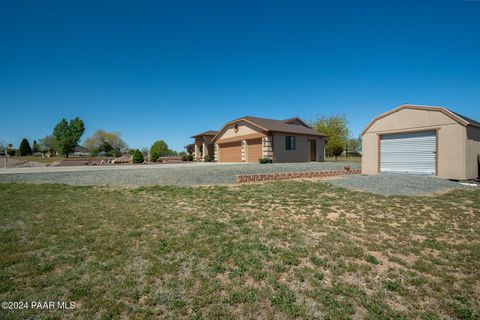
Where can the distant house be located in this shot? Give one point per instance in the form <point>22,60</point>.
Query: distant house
<point>203,145</point>
<point>190,149</point>
<point>248,139</point>
<point>80,151</point>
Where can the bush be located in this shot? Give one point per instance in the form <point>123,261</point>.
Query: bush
<point>154,155</point>
<point>184,158</point>
<point>265,160</point>
<point>11,152</point>
<point>190,157</point>
<point>137,156</point>
<point>208,158</point>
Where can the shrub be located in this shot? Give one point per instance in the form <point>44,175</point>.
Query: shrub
<point>208,158</point>
<point>184,158</point>
<point>265,160</point>
<point>372,259</point>
<point>25,149</point>
<point>11,152</point>
<point>154,155</point>
<point>137,156</point>
<point>190,157</point>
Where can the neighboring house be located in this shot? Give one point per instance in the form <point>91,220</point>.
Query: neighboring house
<point>203,145</point>
<point>80,151</point>
<point>248,139</point>
<point>422,140</point>
<point>190,149</point>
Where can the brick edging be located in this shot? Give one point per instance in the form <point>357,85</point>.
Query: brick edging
<point>241,178</point>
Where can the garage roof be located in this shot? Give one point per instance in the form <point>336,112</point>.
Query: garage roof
<point>271,125</point>
<point>455,116</point>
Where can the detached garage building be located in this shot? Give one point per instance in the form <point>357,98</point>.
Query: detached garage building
<point>422,140</point>
<point>250,138</point>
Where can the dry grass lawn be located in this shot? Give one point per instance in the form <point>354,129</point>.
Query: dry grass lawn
<point>270,251</point>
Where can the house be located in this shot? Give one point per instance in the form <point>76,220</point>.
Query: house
<point>190,149</point>
<point>422,140</point>
<point>248,139</point>
<point>80,151</point>
<point>203,145</point>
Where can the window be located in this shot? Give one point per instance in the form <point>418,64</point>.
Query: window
<point>290,142</point>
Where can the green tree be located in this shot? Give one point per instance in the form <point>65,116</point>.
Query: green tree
<point>137,156</point>
<point>160,148</point>
<point>47,144</point>
<point>68,134</point>
<point>336,130</point>
<point>25,149</point>
<point>354,145</point>
<point>108,142</point>
<point>35,146</point>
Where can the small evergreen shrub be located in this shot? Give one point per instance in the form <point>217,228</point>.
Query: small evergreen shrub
<point>372,259</point>
<point>208,158</point>
<point>189,157</point>
<point>137,156</point>
<point>265,160</point>
<point>184,158</point>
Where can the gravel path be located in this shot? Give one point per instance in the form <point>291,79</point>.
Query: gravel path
<point>397,184</point>
<point>181,175</point>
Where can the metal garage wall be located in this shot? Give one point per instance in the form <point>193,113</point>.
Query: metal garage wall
<point>413,152</point>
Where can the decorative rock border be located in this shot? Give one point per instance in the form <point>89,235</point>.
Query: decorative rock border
<point>242,178</point>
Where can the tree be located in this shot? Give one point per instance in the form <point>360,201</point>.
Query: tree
<point>354,145</point>
<point>336,130</point>
<point>25,149</point>
<point>47,145</point>
<point>137,156</point>
<point>68,134</point>
<point>108,142</point>
<point>35,146</point>
<point>159,148</point>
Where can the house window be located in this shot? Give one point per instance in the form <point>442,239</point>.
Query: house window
<point>290,142</point>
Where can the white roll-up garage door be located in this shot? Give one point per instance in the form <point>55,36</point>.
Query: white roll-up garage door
<point>408,152</point>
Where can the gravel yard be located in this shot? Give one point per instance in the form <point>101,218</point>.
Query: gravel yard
<point>173,174</point>
<point>397,184</point>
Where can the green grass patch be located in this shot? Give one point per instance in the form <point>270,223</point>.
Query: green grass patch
<point>283,250</point>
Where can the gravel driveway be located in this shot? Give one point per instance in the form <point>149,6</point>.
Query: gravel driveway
<point>167,174</point>
<point>397,184</point>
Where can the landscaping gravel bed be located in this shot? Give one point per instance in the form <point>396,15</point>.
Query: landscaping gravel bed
<point>181,175</point>
<point>397,184</point>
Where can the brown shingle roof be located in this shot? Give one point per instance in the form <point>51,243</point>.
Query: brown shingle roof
<point>277,126</point>
<point>281,126</point>
<point>206,133</point>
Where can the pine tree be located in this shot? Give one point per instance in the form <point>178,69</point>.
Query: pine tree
<point>25,149</point>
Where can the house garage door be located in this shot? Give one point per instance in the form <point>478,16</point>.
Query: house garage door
<point>408,152</point>
<point>254,150</point>
<point>230,152</point>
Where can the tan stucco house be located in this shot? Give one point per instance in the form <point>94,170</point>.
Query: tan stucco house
<point>422,140</point>
<point>203,145</point>
<point>248,139</point>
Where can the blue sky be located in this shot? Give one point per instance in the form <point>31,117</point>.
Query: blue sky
<point>167,70</point>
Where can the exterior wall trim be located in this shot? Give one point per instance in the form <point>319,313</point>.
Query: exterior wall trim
<point>235,121</point>
<point>242,137</point>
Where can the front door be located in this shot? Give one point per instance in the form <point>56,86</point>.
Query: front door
<point>313,150</point>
